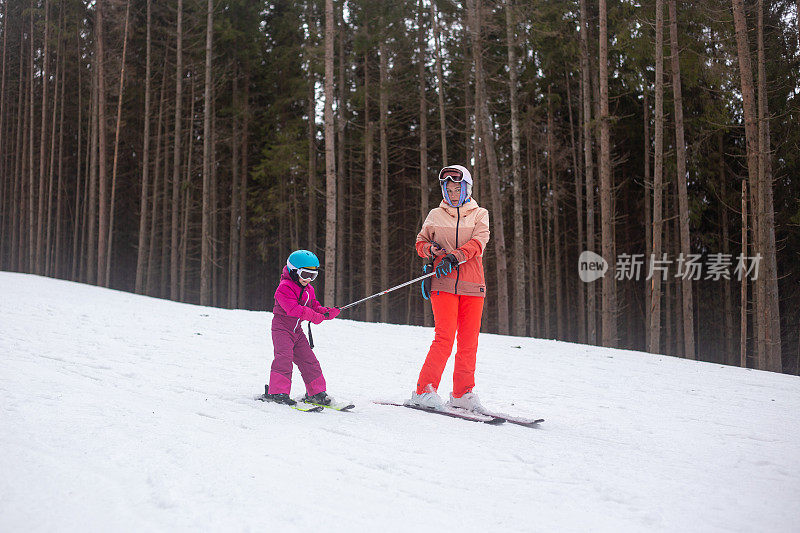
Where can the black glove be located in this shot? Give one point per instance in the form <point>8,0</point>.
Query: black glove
<point>446,266</point>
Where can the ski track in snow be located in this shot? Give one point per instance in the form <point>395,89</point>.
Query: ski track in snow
<point>121,412</point>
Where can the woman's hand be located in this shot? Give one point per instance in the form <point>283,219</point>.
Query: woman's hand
<point>437,250</point>
<point>446,266</point>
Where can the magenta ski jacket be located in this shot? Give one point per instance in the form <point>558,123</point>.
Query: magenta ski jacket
<point>292,300</point>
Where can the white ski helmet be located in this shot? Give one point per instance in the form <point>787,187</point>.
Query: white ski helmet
<point>456,174</point>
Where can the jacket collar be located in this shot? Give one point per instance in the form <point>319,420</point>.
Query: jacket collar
<point>463,210</point>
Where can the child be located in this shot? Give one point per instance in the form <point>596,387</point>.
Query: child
<point>294,302</point>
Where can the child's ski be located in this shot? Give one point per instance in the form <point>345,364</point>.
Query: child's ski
<point>336,406</point>
<point>464,415</point>
<point>305,407</point>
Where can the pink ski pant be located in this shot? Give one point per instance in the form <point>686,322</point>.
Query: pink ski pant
<point>291,346</point>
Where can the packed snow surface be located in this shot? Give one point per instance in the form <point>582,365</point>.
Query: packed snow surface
<point>126,413</point>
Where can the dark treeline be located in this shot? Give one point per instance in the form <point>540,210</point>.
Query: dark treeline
<point>182,149</point>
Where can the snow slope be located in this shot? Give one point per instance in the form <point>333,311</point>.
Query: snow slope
<point>121,412</point>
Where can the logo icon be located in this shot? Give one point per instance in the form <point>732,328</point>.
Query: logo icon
<point>591,266</point>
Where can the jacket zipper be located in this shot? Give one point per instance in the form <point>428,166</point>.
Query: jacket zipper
<point>303,291</point>
<point>458,272</point>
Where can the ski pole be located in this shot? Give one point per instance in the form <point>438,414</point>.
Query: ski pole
<point>342,308</point>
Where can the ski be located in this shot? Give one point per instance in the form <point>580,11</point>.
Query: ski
<point>305,407</point>
<point>336,406</point>
<point>511,419</point>
<point>464,415</point>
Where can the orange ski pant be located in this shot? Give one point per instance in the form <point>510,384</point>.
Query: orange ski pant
<point>455,317</point>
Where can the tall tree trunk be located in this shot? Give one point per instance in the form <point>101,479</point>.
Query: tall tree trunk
<point>384,185</point>
<point>58,256</point>
<point>312,157</point>
<point>440,82</point>
<point>6,181</point>
<point>186,194</point>
<point>516,172</point>
<point>648,215</point>
<point>165,225</point>
<point>368,196</point>
<point>683,197</point>
<point>151,257</point>
<point>102,151</point>
<point>43,140</point>
<point>23,171</point>
<point>669,312</point>
<point>91,209</point>
<point>205,246</point>
<point>352,213</point>
<point>19,180</point>
<point>576,173</point>
<point>424,199</point>
<point>341,199</point>
<point>483,118</point>
<point>555,189</point>
<point>31,244</point>
<point>216,277</point>
<point>330,163</point>
<point>88,247</point>
<point>751,142</point>
<point>675,243</point>
<point>242,284</point>
<point>76,219</point>
<point>48,250</point>
<point>233,249</point>
<point>771,329</point>
<point>141,253</point>
<point>545,268</point>
<point>729,332</point>
<point>176,157</point>
<point>116,146</point>
<point>533,244</point>
<point>743,285</point>
<point>658,189</point>
<point>609,314</point>
<point>588,164</point>
<point>470,150</point>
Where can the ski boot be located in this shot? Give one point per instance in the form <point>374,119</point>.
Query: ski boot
<point>468,402</point>
<point>428,399</point>
<point>320,398</point>
<point>277,398</point>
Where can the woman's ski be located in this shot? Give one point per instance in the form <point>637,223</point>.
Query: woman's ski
<point>511,419</point>
<point>454,413</point>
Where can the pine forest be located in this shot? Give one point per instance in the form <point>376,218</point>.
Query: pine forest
<point>183,149</point>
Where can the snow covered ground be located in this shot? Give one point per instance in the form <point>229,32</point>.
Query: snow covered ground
<point>121,412</point>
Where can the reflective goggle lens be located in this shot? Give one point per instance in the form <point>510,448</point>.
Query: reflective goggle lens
<point>452,175</point>
<point>307,274</point>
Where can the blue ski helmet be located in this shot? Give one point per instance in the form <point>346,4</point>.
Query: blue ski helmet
<point>302,259</point>
<point>456,174</point>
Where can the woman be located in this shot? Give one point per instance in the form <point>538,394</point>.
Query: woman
<point>455,234</point>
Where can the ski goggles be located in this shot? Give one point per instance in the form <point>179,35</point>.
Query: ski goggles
<point>451,174</point>
<point>308,274</point>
